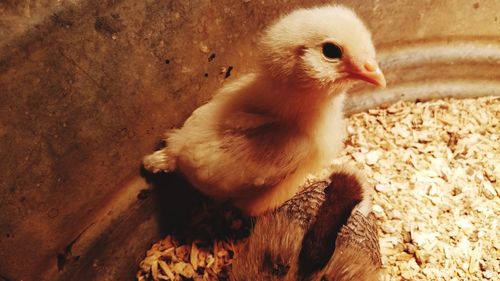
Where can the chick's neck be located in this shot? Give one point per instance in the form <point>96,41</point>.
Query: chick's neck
<point>294,101</point>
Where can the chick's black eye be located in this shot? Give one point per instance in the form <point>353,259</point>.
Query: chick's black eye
<point>332,51</point>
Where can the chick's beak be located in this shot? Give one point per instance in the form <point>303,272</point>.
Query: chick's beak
<point>369,71</point>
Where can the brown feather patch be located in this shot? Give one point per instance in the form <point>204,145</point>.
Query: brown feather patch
<point>342,195</point>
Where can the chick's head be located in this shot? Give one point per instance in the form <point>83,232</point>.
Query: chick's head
<point>322,46</point>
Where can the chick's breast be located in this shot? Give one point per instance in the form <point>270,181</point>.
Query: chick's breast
<point>229,162</point>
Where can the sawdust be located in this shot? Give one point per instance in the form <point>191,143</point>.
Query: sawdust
<point>435,170</point>
<point>201,248</point>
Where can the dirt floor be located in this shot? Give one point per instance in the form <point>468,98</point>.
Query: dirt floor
<point>434,169</point>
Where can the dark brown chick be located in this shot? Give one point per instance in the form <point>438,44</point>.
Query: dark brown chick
<point>301,240</point>
<point>357,252</point>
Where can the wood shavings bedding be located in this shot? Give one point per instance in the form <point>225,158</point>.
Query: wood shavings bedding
<point>169,260</point>
<point>434,168</point>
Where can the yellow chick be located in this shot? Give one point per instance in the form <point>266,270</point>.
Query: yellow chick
<point>260,136</point>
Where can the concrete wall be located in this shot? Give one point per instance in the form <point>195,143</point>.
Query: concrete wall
<point>88,87</point>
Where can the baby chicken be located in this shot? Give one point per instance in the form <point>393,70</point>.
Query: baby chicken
<point>259,137</point>
<point>325,232</point>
